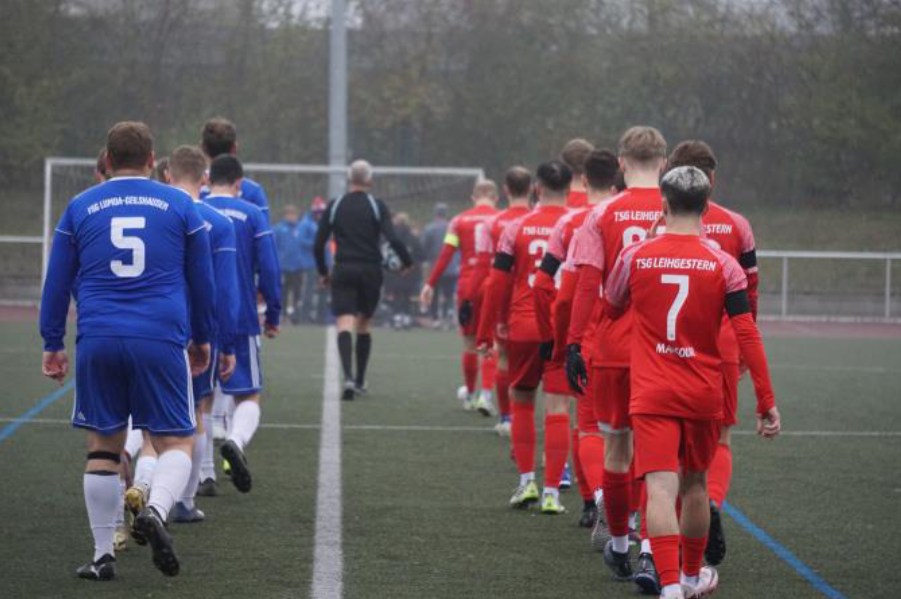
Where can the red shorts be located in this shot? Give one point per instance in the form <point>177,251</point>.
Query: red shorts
<point>472,326</point>
<point>524,364</point>
<point>670,444</point>
<point>611,393</point>
<point>731,375</point>
<point>554,379</point>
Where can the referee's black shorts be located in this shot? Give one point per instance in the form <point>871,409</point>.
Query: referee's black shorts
<point>356,289</point>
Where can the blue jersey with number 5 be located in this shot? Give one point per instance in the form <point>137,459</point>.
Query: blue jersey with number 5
<point>140,251</point>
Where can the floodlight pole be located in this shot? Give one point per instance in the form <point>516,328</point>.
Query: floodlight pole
<point>337,123</point>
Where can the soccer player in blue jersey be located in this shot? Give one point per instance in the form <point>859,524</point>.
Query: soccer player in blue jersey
<point>219,136</point>
<point>257,260</point>
<point>141,252</point>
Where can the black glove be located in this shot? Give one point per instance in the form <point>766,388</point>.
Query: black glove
<point>465,313</point>
<point>576,373</point>
<point>546,350</point>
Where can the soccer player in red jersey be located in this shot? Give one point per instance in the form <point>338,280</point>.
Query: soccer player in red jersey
<point>519,254</point>
<point>614,225</point>
<point>462,233</point>
<point>601,169</point>
<point>732,233</point>
<point>678,286</point>
<point>517,185</point>
<point>574,154</point>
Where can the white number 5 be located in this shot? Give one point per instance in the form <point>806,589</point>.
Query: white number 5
<point>135,244</point>
<point>681,296</point>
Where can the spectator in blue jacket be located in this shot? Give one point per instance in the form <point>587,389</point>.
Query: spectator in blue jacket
<point>289,238</point>
<point>311,286</point>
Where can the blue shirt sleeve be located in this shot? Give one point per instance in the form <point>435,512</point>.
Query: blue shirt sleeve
<point>61,272</point>
<point>199,276</point>
<point>267,268</point>
<point>225,263</point>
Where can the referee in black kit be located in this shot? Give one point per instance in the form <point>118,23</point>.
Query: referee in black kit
<point>358,221</point>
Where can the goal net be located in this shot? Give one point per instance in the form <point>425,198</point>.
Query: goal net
<point>414,190</point>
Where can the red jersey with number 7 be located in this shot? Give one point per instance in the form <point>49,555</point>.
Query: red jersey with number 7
<point>609,228</point>
<point>526,239</point>
<point>678,286</point>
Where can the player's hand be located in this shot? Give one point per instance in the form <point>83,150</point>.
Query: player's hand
<point>55,365</point>
<point>464,314</point>
<point>226,366</point>
<point>546,350</point>
<point>199,357</point>
<point>270,330</point>
<point>576,373</point>
<point>483,347</point>
<point>426,296</point>
<point>501,331</point>
<point>769,424</point>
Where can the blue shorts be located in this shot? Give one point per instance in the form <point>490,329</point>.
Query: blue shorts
<point>247,378</point>
<point>203,384</point>
<point>118,377</point>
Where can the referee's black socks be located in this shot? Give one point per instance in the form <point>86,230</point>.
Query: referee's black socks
<point>345,348</point>
<point>364,346</point>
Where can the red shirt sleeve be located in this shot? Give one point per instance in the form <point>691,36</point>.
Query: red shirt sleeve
<point>751,347</point>
<point>543,292</point>
<point>563,309</point>
<point>587,291</point>
<point>500,284</point>
<point>444,258</point>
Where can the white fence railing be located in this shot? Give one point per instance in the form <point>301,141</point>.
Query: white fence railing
<point>785,257</point>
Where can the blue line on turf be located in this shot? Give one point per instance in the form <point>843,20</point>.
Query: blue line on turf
<point>36,409</point>
<point>782,552</point>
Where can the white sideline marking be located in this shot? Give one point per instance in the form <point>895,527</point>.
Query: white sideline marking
<point>482,429</point>
<point>328,556</point>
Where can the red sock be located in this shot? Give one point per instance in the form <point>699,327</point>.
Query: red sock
<point>720,474</point>
<point>489,369</point>
<point>556,447</point>
<point>692,555</point>
<point>502,387</point>
<point>617,489</point>
<point>584,487</point>
<point>470,369</point>
<point>591,456</point>
<point>522,431</point>
<point>666,558</point>
<point>644,511</point>
<point>635,496</point>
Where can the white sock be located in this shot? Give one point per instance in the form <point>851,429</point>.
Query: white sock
<point>672,591</point>
<point>524,479</point>
<point>120,509</point>
<point>169,480</point>
<point>207,465</point>
<point>220,407</point>
<point>187,496</point>
<point>552,491</point>
<point>101,497</point>
<point>646,546</point>
<point>230,407</point>
<point>690,580</point>
<point>133,442</point>
<point>621,544</point>
<point>598,497</point>
<point>633,520</point>
<point>245,423</point>
<point>144,470</point>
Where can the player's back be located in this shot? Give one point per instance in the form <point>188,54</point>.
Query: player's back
<point>678,286</point>
<point>467,227</point>
<point>254,193</point>
<point>503,218</point>
<point>526,239</point>
<point>577,199</point>
<point>130,234</point>
<point>623,221</point>
<point>222,231</point>
<point>250,224</point>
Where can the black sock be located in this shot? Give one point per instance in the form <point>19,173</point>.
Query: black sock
<point>345,348</point>
<point>588,503</point>
<point>364,345</point>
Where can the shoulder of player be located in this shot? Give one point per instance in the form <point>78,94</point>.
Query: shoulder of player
<point>725,259</point>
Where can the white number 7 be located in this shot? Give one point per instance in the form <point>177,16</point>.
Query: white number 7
<point>681,296</point>
<point>118,225</point>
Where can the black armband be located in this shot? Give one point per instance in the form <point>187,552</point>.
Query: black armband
<point>550,265</point>
<point>748,260</point>
<point>503,262</point>
<point>104,455</point>
<point>737,303</point>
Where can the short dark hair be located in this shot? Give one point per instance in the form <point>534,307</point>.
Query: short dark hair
<point>518,180</point>
<point>554,175</point>
<point>601,169</point>
<point>575,153</point>
<point>686,189</point>
<point>695,153</point>
<point>225,170</point>
<point>161,170</point>
<point>129,144</point>
<point>218,137</point>
<point>187,163</point>
<point>620,182</point>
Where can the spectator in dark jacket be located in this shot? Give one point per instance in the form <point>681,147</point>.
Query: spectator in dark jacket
<point>432,242</point>
<point>401,287</point>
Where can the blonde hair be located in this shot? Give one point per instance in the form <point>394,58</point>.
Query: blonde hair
<point>642,144</point>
